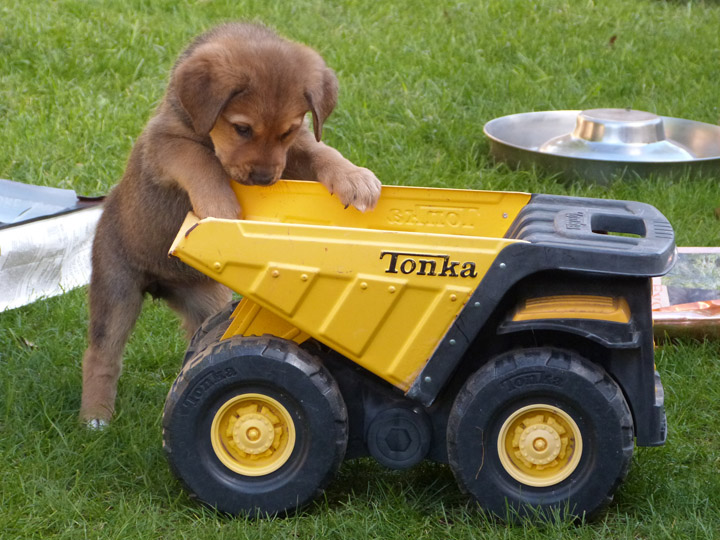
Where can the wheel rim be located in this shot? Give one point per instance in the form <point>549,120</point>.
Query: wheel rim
<point>539,445</point>
<point>253,434</point>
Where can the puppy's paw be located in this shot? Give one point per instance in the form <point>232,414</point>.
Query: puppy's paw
<point>96,418</point>
<point>356,186</point>
<point>96,424</point>
<point>227,208</point>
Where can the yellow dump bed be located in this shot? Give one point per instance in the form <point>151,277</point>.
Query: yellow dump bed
<point>382,287</point>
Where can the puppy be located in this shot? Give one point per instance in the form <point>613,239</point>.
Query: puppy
<point>234,111</point>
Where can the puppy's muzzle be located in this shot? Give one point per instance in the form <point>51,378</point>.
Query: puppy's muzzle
<point>262,177</point>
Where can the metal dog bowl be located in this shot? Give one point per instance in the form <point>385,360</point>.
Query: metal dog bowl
<point>600,143</point>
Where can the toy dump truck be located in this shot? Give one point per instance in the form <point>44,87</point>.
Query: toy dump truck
<point>505,334</point>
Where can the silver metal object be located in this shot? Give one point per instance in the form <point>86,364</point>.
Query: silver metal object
<point>46,237</point>
<point>599,143</point>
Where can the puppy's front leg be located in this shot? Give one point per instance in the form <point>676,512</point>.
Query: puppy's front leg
<point>198,171</point>
<point>309,159</point>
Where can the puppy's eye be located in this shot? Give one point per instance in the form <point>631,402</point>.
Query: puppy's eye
<point>289,132</point>
<point>243,130</point>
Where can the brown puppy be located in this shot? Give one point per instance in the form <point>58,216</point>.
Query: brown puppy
<point>234,111</point>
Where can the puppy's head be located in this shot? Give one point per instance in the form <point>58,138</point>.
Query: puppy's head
<point>250,90</point>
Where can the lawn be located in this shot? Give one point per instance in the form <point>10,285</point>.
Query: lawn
<point>79,79</point>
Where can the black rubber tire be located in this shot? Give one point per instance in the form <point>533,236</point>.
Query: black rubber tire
<point>275,368</point>
<point>210,330</point>
<point>561,379</point>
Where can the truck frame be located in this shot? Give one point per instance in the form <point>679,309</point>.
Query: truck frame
<point>506,334</point>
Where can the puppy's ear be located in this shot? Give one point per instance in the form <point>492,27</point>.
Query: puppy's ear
<point>204,88</point>
<point>322,98</point>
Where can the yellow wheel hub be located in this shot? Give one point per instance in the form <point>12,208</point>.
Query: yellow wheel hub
<point>253,434</point>
<point>539,445</point>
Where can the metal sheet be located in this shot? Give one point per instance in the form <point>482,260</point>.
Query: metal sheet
<point>45,242</point>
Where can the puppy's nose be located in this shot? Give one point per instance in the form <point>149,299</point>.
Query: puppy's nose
<point>261,177</point>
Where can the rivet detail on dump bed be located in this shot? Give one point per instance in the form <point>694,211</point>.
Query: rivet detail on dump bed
<point>285,294</point>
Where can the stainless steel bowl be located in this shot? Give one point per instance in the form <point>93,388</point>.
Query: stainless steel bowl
<point>597,144</point>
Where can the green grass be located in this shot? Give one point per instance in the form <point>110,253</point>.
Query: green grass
<point>79,79</point>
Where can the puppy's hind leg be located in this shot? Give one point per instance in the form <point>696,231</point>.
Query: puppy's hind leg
<point>116,297</point>
<point>197,302</point>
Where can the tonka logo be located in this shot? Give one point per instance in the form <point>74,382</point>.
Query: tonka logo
<point>531,378</point>
<point>427,264</point>
<point>202,386</point>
